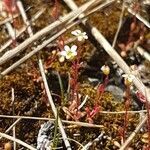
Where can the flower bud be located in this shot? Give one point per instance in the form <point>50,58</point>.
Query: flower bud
<point>105,69</point>
<point>7,146</point>
<point>128,79</point>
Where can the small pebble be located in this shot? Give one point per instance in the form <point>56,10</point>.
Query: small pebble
<point>7,146</point>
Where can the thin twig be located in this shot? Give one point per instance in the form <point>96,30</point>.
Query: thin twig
<point>45,43</point>
<point>143,53</point>
<point>23,29</point>
<point>123,112</point>
<point>8,130</point>
<point>67,18</point>
<point>24,16</point>
<point>134,133</point>
<point>36,50</point>
<point>13,108</point>
<point>70,139</point>
<point>17,141</point>
<point>87,146</point>
<point>71,4</point>
<point>61,128</point>
<point>119,25</point>
<point>10,19</point>
<point>10,30</point>
<point>83,103</point>
<point>83,124</point>
<point>99,7</point>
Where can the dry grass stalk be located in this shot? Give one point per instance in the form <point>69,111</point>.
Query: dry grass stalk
<point>88,145</point>
<point>10,128</point>
<point>130,138</point>
<point>11,31</point>
<point>17,141</point>
<point>143,53</point>
<point>24,17</point>
<point>123,112</point>
<point>8,19</point>
<point>62,21</point>
<point>13,108</point>
<point>45,43</point>
<point>23,29</point>
<point>61,128</point>
<point>36,50</point>
<point>106,45</point>
<point>119,25</point>
<point>83,124</point>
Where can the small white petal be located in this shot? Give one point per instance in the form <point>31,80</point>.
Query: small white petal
<point>73,48</point>
<point>85,37</point>
<point>128,77</point>
<point>76,32</point>
<point>75,53</point>
<point>125,75</point>
<point>66,48</point>
<point>103,68</point>
<point>63,53</point>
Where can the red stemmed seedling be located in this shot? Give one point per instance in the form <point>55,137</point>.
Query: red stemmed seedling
<point>127,105</point>
<point>144,100</point>
<point>101,88</point>
<point>91,113</point>
<point>73,112</point>
<point>128,79</point>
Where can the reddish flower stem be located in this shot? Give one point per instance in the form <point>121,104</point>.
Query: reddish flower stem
<point>74,78</point>
<point>127,105</point>
<point>148,121</point>
<point>101,89</point>
<point>144,100</point>
<point>75,68</point>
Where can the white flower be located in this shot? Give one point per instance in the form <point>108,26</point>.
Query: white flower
<point>105,69</point>
<point>80,35</point>
<point>128,78</point>
<point>69,53</point>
